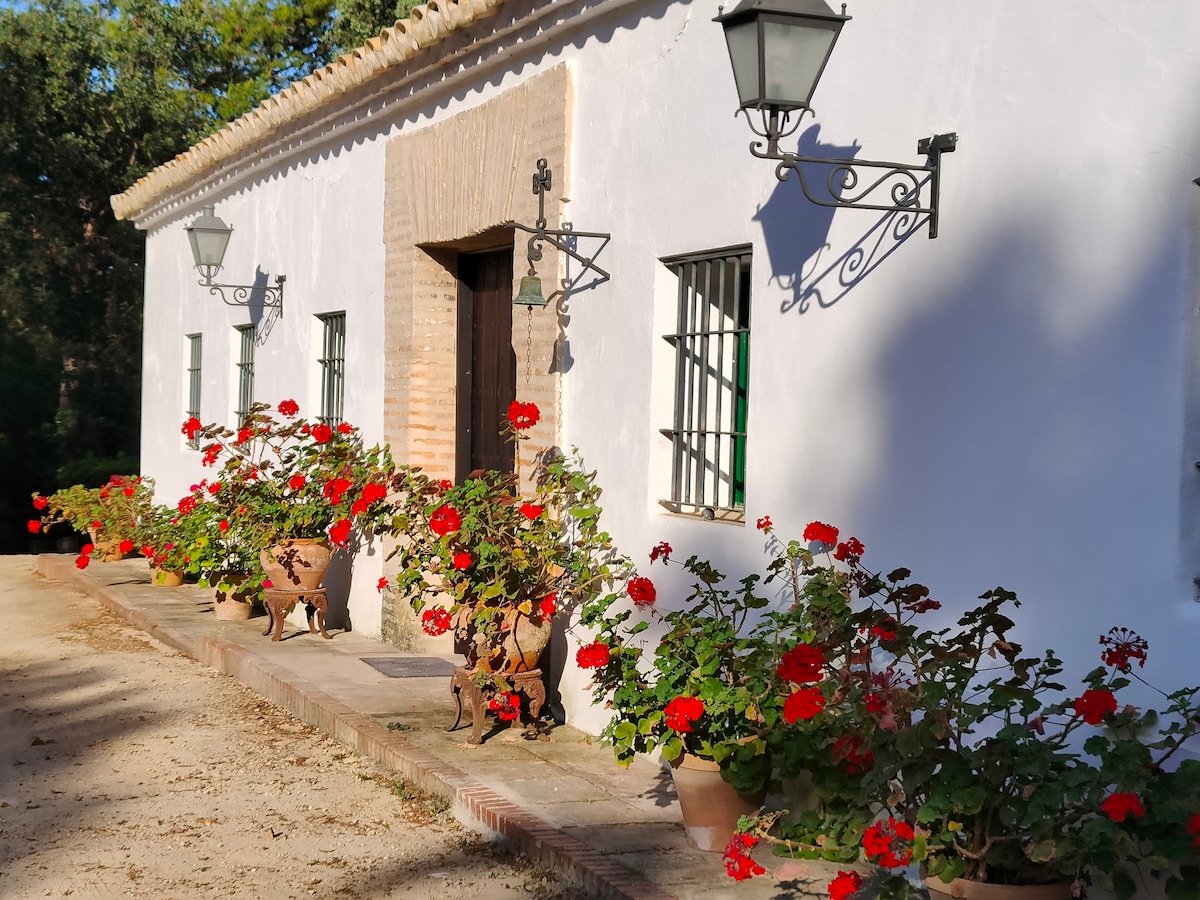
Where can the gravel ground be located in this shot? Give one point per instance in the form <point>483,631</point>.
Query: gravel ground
<point>128,770</point>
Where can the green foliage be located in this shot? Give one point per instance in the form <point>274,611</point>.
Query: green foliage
<point>356,21</point>
<point>481,559</point>
<point>273,480</point>
<point>95,95</point>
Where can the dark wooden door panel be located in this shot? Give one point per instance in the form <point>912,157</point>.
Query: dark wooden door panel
<point>487,373</point>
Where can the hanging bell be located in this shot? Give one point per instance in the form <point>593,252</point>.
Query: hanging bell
<point>530,293</point>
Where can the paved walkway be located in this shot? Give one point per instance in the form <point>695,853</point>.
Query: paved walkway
<point>615,832</point>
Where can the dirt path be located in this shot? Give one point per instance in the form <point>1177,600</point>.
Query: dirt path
<point>128,770</point>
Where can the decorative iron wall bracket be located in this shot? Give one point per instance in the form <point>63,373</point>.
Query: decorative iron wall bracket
<point>905,184</point>
<point>249,294</point>
<point>560,238</point>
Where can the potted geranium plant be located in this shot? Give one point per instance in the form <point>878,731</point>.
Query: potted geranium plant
<point>109,514</point>
<point>950,748</point>
<point>494,566</point>
<point>282,491</point>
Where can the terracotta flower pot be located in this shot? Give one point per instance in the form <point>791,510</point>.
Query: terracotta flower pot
<point>296,565</point>
<point>977,890</point>
<point>166,577</point>
<point>108,549</point>
<point>235,602</point>
<point>710,805</point>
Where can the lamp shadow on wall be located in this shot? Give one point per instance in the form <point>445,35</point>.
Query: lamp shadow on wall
<point>262,317</point>
<point>796,233</point>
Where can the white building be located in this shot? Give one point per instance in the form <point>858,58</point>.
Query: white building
<point>1015,402</point>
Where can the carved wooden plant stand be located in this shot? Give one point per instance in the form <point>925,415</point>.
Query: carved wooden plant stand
<point>280,603</point>
<point>464,685</point>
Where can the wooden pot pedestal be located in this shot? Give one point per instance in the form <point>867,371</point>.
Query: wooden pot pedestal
<point>464,686</point>
<point>280,603</point>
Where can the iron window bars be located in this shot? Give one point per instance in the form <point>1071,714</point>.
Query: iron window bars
<point>333,367</point>
<point>195,355</point>
<point>245,372</point>
<point>712,359</point>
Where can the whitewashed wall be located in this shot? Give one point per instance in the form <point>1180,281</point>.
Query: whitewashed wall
<point>1002,405</point>
<point>319,222</point>
<point>1013,403</point>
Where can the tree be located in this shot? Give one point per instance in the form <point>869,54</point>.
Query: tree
<point>92,96</point>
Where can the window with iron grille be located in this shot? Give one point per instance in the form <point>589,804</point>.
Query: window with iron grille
<point>712,365</point>
<point>195,347</point>
<point>333,367</point>
<point>245,372</point>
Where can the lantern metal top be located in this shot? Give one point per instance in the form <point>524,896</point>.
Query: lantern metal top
<point>803,9</point>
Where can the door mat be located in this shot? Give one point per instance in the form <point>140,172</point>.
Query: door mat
<point>411,666</point>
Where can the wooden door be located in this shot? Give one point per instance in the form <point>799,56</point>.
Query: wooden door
<point>487,366</point>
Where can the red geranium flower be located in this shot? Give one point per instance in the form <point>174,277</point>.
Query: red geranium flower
<point>738,864</point>
<point>84,557</point>
<point>803,704</point>
<point>531,510</point>
<point>97,525</point>
<point>125,546</point>
<point>1193,828</point>
<point>506,706</point>
<point>373,491</point>
<point>851,549</point>
<point>802,664</point>
<point>462,561</point>
<point>187,505</point>
<point>1094,705</point>
<point>335,489</point>
<point>211,453</point>
<point>681,712</point>
<point>190,427</point>
<point>344,428</point>
<point>592,656</point>
<point>40,502</point>
<point>848,749</point>
<point>339,532</point>
<point>128,492</point>
<point>764,523</point>
<point>297,481</point>
<point>523,415</point>
<point>321,433</point>
<point>846,885</point>
<point>223,525</point>
<point>214,488</point>
<point>288,408</point>
<point>445,520</point>
<point>641,591</point>
<point>885,633</point>
<point>548,606</point>
<point>1121,647</point>
<point>445,484</point>
<point>147,550</point>
<point>662,549</point>
<point>383,582</point>
<point>880,843</point>
<point>436,621</point>
<point>1118,806</point>
<point>821,533</point>
<point>34,526</point>
<point>243,435</point>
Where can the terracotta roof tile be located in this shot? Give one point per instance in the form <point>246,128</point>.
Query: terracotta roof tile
<point>426,26</point>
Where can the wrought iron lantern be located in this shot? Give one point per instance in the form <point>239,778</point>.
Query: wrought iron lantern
<point>209,236</point>
<point>778,50</point>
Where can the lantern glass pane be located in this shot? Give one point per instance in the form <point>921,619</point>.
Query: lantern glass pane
<point>208,246</point>
<point>743,54</point>
<point>794,56</point>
